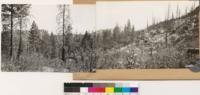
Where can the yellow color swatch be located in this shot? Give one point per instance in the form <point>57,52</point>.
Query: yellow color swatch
<point>109,89</point>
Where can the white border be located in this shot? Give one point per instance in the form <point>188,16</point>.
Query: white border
<point>39,2</point>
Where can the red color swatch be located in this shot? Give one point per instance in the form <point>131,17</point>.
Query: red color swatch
<point>96,90</point>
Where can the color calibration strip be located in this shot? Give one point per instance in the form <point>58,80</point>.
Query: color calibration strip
<point>100,88</point>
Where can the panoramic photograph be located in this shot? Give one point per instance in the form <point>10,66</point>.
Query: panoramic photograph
<point>47,38</point>
<point>108,35</point>
<point>147,34</point>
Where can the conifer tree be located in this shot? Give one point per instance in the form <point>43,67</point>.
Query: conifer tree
<point>34,38</point>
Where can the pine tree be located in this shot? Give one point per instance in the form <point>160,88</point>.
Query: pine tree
<point>132,34</point>
<point>9,13</point>
<point>53,46</point>
<point>98,40</point>
<point>88,49</point>
<point>63,20</point>
<point>68,44</point>
<point>107,36</point>
<point>116,33</point>
<point>129,27</point>
<point>23,11</point>
<point>5,43</point>
<point>34,38</point>
<point>85,43</point>
<point>44,43</point>
<point>127,32</point>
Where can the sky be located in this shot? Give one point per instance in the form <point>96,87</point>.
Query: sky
<point>45,16</point>
<point>108,14</point>
<point>82,17</point>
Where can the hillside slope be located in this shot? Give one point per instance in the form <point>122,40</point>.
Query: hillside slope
<point>162,45</point>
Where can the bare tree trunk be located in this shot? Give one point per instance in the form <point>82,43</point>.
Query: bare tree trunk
<point>11,33</point>
<point>90,69</point>
<point>63,48</point>
<point>166,38</point>
<point>20,39</point>
<point>168,13</point>
<point>168,27</point>
<point>177,11</point>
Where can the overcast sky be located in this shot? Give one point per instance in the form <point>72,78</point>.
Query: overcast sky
<point>111,13</point>
<point>45,16</point>
<point>107,14</point>
<point>82,17</point>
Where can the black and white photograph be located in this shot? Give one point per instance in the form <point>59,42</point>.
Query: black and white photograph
<point>147,34</point>
<point>48,38</point>
<point>108,35</point>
